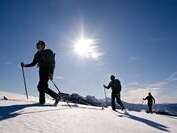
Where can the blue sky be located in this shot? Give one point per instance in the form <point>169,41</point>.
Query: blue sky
<point>137,40</point>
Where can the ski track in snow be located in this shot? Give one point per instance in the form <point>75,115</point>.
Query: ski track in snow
<point>20,116</point>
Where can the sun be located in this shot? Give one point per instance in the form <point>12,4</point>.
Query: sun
<point>86,48</point>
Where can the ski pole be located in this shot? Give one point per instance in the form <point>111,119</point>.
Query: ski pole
<point>59,92</point>
<point>24,80</point>
<point>105,97</point>
<point>142,102</point>
<point>56,87</point>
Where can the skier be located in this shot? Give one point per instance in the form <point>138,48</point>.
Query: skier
<point>151,101</point>
<point>115,85</point>
<point>45,60</point>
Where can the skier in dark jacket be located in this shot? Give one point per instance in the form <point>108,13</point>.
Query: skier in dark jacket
<point>115,85</point>
<point>46,69</point>
<point>150,101</point>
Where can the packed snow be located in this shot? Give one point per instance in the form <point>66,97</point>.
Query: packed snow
<point>17,115</point>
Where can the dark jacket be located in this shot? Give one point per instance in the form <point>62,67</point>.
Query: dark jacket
<point>115,85</point>
<point>39,59</point>
<point>150,99</point>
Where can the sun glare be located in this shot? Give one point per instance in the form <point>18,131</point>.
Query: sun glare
<point>86,48</point>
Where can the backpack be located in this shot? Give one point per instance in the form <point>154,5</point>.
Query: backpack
<point>116,85</point>
<point>48,59</point>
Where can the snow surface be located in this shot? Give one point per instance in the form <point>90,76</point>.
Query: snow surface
<point>20,116</point>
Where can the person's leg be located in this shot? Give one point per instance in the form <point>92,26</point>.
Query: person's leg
<point>42,97</point>
<point>41,92</point>
<point>46,88</point>
<point>50,92</point>
<point>150,108</point>
<point>43,79</point>
<point>113,101</point>
<point>119,100</point>
<point>53,94</point>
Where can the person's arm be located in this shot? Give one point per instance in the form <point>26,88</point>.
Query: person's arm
<point>51,68</point>
<point>33,63</point>
<point>145,98</point>
<point>107,87</point>
<point>153,99</point>
<point>51,71</point>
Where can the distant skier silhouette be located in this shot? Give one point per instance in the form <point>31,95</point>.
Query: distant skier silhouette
<point>45,59</point>
<point>150,101</point>
<point>115,85</point>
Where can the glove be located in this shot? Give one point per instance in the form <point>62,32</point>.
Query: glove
<point>22,64</point>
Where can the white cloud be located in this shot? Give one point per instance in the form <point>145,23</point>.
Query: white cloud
<point>157,84</point>
<point>135,83</point>
<point>136,95</point>
<point>172,77</point>
<point>8,63</point>
<point>164,91</point>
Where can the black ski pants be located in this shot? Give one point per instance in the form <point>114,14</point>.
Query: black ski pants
<point>150,107</point>
<point>43,87</point>
<point>116,95</point>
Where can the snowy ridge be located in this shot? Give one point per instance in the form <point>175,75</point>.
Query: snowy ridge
<point>19,116</point>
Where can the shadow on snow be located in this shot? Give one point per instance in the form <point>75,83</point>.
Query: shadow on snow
<point>145,121</point>
<point>7,112</point>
